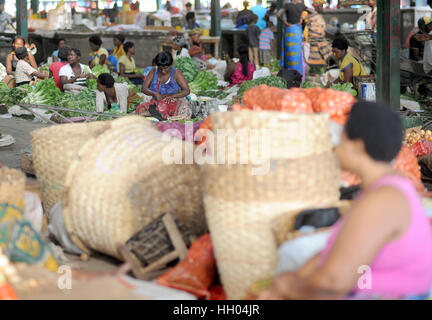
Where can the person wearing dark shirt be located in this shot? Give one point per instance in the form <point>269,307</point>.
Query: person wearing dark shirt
<point>292,53</point>
<point>253,33</point>
<point>191,21</point>
<point>243,17</point>
<point>416,47</point>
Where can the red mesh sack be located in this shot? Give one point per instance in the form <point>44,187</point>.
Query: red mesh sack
<point>200,134</point>
<point>407,163</point>
<point>336,103</point>
<point>296,102</point>
<point>196,273</point>
<point>313,95</point>
<point>422,148</point>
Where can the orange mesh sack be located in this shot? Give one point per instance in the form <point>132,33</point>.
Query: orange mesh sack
<point>407,163</point>
<point>336,103</point>
<point>196,273</point>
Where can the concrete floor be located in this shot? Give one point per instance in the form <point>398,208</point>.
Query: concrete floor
<point>11,157</point>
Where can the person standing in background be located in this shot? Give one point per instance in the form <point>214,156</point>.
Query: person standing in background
<point>271,14</point>
<point>292,53</point>
<point>188,9</point>
<point>5,18</point>
<point>55,55</point>
<point>253,33</point>
<point>260,12</point>
<point>265,44</point>
<point>371,19</point>
<point>191,21</point>
<point>243,17</point>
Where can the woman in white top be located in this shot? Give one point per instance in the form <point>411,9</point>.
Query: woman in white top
<point>117,96</point>
<point>73,76</point>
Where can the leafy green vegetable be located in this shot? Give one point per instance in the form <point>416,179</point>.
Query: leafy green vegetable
<point>308,84</point>
<point>45,92</point>
<point>11,97</point>
<point>203,81</point>
<point>216,94</point>
<point>120,79</point>
<point>347,87</point>
<point>91,84</point>
<point>187,67</point>
<point>271,81</point>
<point>85,100</point>
<point>274,65</point>
<point>99,69</point>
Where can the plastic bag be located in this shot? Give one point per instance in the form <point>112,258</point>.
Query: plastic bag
<point>293,254</point>
<point>196,273</point>
<point>422,148</point>
<point>263,72</point>
<point>33,211</point>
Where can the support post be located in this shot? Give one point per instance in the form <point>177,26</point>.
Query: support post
<point>22,23</point>
<point>35,6</point>
<point>388,53</point>
<point>159,4</point>
<point>197,5</point>
<point>280,29</point>
<point>215,19</point>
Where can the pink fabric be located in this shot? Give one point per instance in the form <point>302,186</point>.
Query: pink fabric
<point>55,70</point>
<point>238,77</point>
<point>402,267</point>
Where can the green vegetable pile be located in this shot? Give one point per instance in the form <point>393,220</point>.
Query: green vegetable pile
<point>11,97</point>
<point>347,87</point>
<point>85,100</point>
<point>91,84</point>
<point>274,65</point>
<point>204,81</point>
<point>45,93</point>
<point>308,84</point>
<point>271,81</point>
<point>133,87</point>
<point>99,69</point>
<point>216,94</point>
<point>187,67</point>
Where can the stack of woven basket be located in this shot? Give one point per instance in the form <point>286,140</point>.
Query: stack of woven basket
<point>116,181</point>
<point>298,170</point>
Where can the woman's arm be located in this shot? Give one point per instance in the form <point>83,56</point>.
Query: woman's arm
<point>9,65</point>
<point>39,75</point>
<point>182,82</point>
<point>349,74</point>
<point>230,71</point>
<point>146,85</point>
<point>282,17</point>
<point>64,80</point>
<point>124,74</point>
<point>377,219</point>
<point>102,59</point>
<point>32,60</point>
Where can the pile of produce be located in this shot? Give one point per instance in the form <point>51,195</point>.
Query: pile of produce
<point>203,81</point>
<point>274,65</point>
<point>45,93</point>
<point>133,87</point>
<point>419,141</point>
<point>85,100</point>
<point>345,87</point>
<point>270,81</point>
<point>11,97</point>
<point>187,67</point>
<point>99,69</point>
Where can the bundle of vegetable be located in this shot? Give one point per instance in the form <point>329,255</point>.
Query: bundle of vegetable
<point>347,87</point>
<point>187,67</point>
<point>264,97</point>
<point>85,100</point>
<point>308,84</point>
<point>91,84</point>
<point>203,81</point>
<point>11,97</point>
<point>270,81</point>
<point>121,79</point>
<point>99,69</point>
<point>274,65</point>
<point>216,94</point>
<point>46,92</point>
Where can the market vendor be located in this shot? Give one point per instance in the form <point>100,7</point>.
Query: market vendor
<point>242,71</point>
<point>166,85</point>
<point>195,39</point>
<point>55,55</point>
<point>99,55</point>
<point>118,50</point>
<point>116,96</point>
<point>386,230</point>
<point>195,53</point>
<point>56,66</point>
<point>426,37</point>
<point>348,65</point>
<point>127,67</point>
<point>319,48</point>
<point>181,47</point>
<point>12,60</point>
<point>416,47</point>
<point>73,76</point>
<point>191,21</point>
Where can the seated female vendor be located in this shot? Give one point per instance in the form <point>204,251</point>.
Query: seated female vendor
<point>127,67</point>
<point>348,65</point>
<point>116,96</point>
<point>73,76</point>
<point>167,85</point>
<point>242,71</point>
<point>12,60</point>
<point>386,228</point>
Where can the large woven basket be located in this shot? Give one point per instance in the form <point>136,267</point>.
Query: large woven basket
<point>53,149</point>
<point>12,188</point>
<point>240,204</point>
<point>119,183</point>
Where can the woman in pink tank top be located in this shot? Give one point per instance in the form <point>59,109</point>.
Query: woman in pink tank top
<point>382,248</point>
